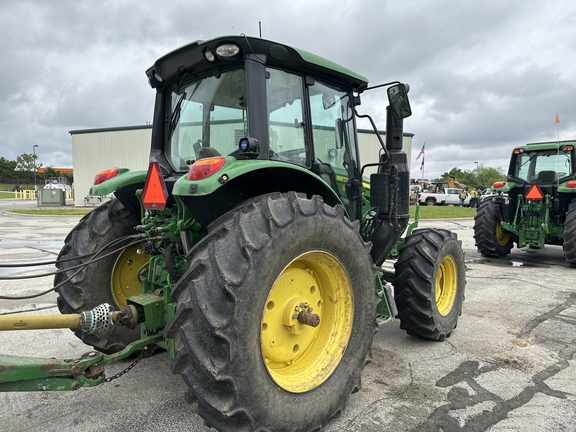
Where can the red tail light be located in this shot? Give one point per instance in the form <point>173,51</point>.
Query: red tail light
<point>155,192</point>
<point>571,184</point>
<point>206,167</point>
<point>499,185</point>
<point>105,174</point>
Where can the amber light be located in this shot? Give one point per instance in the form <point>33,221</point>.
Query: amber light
<point>206,167</point>
<point>499,185</point>
<point>105,174</point>
<point>155,193</point>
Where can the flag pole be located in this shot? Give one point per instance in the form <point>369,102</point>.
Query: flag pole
<point>423,153</point>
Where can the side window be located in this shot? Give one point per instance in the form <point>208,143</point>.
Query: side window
<point>333,136</point>
<point>284,93</point>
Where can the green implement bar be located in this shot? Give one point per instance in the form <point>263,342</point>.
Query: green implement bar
<point>41,374</point>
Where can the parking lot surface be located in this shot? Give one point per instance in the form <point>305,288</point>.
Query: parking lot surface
<point>509,366</point>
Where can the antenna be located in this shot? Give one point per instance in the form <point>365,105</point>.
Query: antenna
<point>260,28</point>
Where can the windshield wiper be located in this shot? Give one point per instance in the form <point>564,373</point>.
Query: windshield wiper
<point>175,118</point>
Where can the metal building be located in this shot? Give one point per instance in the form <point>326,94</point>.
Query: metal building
<point>129,147</point>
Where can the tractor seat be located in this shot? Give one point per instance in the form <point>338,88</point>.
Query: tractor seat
<point>546,177</point>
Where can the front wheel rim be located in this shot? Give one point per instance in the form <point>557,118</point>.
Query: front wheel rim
<point>446,285</point>
<point>299,357</point>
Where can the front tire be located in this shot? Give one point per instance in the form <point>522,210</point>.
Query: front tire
<point>239,345</point>
<point>491,239</point>
<point>110,280</point>
<point>569,243</point>
<point>429,283</point>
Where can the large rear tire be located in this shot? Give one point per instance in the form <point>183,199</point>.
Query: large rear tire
<point>429,283</point>
<point>491,239</point>
<point>110,280</point>
<point>239,344</point>
<point>569,243</point>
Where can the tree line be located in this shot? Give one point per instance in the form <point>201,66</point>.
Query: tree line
<point>480,178</point>
<point>23,168</point>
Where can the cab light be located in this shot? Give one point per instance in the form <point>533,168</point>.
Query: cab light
<point>206,167</point>
<point>155,192</point>
<point>535,193</point>
<point>227,50</point>
<point>209,55</point>
<point>105,174</point>
<point>571,184</point>
<point>499,184</point>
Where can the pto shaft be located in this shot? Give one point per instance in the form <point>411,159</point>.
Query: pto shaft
<point>38,322</point>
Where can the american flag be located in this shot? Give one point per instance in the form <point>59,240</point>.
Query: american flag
<point>422,164</point>
<point>421,153</point>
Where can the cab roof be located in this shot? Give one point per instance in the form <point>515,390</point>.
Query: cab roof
<point>190,59</point>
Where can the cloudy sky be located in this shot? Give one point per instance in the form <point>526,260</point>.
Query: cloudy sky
<point>484,76</point>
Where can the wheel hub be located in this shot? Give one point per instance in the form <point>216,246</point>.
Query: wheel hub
<point>307,321</point>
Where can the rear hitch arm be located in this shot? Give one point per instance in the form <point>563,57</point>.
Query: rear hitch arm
<point>41,374</point>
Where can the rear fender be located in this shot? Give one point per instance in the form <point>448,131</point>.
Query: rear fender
<point>124,187</point>
<point>240,180</point>
<point>125,177</point>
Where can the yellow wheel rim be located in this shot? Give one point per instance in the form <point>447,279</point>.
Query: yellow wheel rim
<point>125,281</point>
<point>502,236</point>
<point>300,357</point>
<point>446,285</point>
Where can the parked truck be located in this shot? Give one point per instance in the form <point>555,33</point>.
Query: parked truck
<point>444,196</point>
<point>535,206</point>
<point>252,249</point>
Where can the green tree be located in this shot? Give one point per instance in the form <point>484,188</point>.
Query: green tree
<point>487,176</point>
<point>27,163</point>
<point>7,168</point>
<point>482,178</point>
<point>50,172</point>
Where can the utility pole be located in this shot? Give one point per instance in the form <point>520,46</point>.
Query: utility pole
<point>35,185</point>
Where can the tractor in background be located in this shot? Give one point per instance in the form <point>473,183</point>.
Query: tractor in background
<point>536,204</point>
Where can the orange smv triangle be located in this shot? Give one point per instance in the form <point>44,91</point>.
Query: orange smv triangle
<point>155,193</point>
<point>535,193</point>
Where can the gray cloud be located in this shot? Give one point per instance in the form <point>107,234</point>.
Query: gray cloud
<point>484,76</point>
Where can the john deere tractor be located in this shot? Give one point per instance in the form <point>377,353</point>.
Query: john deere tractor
<point>536,204</point>
<point>252,249</point>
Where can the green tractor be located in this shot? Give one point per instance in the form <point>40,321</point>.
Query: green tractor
<point>536,204</point>
<point>252,248</point>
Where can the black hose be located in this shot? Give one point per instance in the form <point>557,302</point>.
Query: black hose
<point>90,261</point>
<point>173,271</point>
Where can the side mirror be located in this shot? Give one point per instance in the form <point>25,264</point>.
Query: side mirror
<point>398,99</point>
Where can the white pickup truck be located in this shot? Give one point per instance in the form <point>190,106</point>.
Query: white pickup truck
<point>449,197</point>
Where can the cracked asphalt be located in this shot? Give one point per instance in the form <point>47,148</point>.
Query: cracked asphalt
<point>509,366</point>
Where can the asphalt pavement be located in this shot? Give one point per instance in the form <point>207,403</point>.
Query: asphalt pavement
<point>509,366</point>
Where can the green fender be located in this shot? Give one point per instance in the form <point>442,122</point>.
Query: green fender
<point>266,171</point>
<point>124,178</point>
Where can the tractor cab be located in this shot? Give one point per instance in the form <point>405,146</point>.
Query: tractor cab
<point>546,168</point>
<point>255,100</point>
<point>246,99</point>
